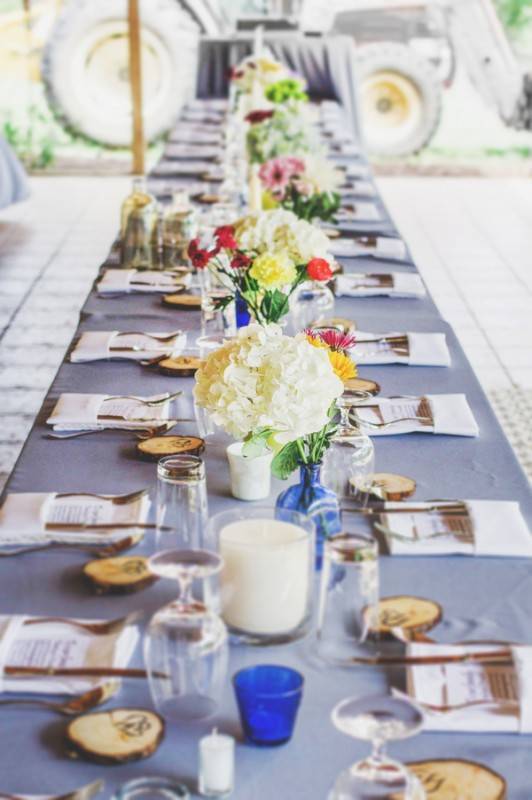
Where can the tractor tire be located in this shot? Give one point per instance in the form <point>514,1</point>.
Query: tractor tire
<point>400,99</point>
<point>85,67</point>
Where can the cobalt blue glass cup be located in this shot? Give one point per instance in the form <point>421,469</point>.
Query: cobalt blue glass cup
<point>268,698</point>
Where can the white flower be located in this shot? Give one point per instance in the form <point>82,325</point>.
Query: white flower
<point>322,174</point>
<point>282,230</point>
<point>263,379</point>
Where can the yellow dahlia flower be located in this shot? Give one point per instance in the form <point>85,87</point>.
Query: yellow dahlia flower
<point>342,365</point>
<point>273,270</point>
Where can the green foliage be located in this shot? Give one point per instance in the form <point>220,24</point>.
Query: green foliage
<point>35,149</point>
<point>515,14</point>
<point>286,91</point>
<point>286,460</point>
<point>318,206</point>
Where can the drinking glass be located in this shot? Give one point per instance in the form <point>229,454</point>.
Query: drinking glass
<point>378,719</point>
<point>151,788</point>
<point>268,698</point>
<point>182,511</point>
<point>349,462</point>
<point>185,648</point>
<point>349,595</point>
<point>267,579</point>
<point>311,302</point>
<point>204,422</point>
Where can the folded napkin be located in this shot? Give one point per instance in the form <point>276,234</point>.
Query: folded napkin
<point>356,170</point>
<point>395,284</point>
<point>502,693</point>
<point>97,345</point>
<point>358,189</point>
<point>88,412</point>
<point>344,149</point>
<point>116,281</point>
<point>167,168</point>
<point>186,151</point>
<point>498,529</point>
<point>450,415</point>
<point>358,212</point>
<point>383,247</point>
<point>424,349</point>
<point>24,517</point>
<point>24,642</point>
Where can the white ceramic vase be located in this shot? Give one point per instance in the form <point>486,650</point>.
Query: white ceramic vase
<point>250,476</point>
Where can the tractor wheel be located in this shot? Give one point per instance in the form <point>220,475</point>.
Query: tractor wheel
<point>86,67</point>
<point>400,99</point>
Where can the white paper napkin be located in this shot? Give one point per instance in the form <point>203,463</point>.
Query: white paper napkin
<point>366,285</point>
<point>74,412</point>
<point>117,281</point>
<point>465,682</point>
<point>24,515</point>
<point>499,529</point>
<point>58,644</point>
<point>387,248</point>
<point>424,349</point>
<point>359,212</point>
<point>451,415</point>
<point>96,345</point>
<point>186,168</point>
<point>186,151</point>
<point>358,189</point>
<point>357,170</point>
<point>344,149</point>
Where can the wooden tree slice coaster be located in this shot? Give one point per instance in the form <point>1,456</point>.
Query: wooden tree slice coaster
<point>340,323</point>
<point>158,446</point>
<point>389,486</point>
<point>362,385</point>
<point>332,233</point>
<point>211,177</point>
<point>413,614</point>
<point>455,779</point>
<point>119,575</point>
<point>179,367</point>
<point>206,198</point>
<point>115,737</point>
<point>187,302</point>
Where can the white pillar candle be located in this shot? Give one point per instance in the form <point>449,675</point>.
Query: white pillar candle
<point>266,575</point>
<point>216,765</point>
<point>255,189</point>
<point>250,477</point>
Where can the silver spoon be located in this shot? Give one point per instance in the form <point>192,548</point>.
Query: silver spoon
<point>78,704</point>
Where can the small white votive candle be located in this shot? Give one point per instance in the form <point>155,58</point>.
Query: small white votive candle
<point>250,477</point>
<point>216,765</point>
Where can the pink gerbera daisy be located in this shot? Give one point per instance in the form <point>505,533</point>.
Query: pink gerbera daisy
<point>277,173</point>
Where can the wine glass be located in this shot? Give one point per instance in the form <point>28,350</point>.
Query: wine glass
<point>378,719</point>
<point>185,648</point>
<point>349,462</point>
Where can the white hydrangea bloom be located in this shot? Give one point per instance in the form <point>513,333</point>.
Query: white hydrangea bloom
<point>279,229</point>
<point>263,379</point>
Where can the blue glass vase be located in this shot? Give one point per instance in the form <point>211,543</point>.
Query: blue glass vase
<point>243,317</point>
<point>310,497</point>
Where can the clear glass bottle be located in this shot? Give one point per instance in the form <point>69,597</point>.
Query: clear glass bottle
<point>139,228</point>
<point>179,226</point>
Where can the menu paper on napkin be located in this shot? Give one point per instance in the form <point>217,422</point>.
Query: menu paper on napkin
<point>24,516</point>
<point>94,411</point>
<point>498,528</point>
<point>384,247</point>
<point>358,189</point>
<point>98,345</point>
<point>422,349</point>
<point>450,414</point>
<point>395,284</point>
<point>59,644</point>
<point>500,694</point>
<point>357,212</point>
<point>118,281</point>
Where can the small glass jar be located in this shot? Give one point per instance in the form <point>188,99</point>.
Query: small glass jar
<point>150,788</point>
<point>179,226</point>
<point>310,303</point>
<point>266,580</point>
<point>182,510</point>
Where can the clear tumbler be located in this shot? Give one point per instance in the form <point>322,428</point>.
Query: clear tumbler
<point>182,511</point>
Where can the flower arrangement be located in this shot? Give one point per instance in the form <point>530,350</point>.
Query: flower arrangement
<point>267,388</point>
<point>265,70</point>
<point>305,185</point>
<point>263,259</point>
<point>283,130</point>
<point>337,345</point>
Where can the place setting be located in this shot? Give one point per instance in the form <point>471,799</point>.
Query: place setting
<point>115,282</point>
<point>441,414</point>
<point>127,345</point>
<point>412,348</point>
<point>193,152</point>
<point>381,284</point>
<point>362,211</point>
<point>384,248</point>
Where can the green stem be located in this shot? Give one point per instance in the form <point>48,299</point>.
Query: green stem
<point>301,451</point>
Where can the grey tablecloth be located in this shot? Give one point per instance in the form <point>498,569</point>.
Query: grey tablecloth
<point>481,597</point>
<point>326,63</point>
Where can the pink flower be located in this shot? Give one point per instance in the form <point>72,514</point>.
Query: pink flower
<point>277,173</point>
<point>335,340</point>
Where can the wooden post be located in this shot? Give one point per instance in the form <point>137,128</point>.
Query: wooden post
<point>135,77</point>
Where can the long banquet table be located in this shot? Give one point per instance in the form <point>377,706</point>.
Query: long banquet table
<point>482,598</point>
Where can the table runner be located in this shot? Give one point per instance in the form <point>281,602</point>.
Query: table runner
<point>482,598</point>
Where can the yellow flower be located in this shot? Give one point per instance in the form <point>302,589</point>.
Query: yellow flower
<point>273,270</point>
<point>266,65</point>
<point>268,201</point>
<point>315,341</point>
<point>342,365</point>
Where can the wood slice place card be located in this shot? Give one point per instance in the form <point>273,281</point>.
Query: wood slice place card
<point>341,324</point>
<point>207,198</point>
<point>179,367</point>
<point>411,614</point>
<point>156,447</point>
<point>115,737</point>
<point>455,779</point>
<point>363,385</point>
<point>186,302</point>
<point>120,575</point>
<point>392,487</point>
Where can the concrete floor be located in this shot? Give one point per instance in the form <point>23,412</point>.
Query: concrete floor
<point>472,240</point>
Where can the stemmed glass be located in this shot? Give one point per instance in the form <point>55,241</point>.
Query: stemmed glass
<point>185,648</point>
<point>349,462</point>
<point>378,719</point>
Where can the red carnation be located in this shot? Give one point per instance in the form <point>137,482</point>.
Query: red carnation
<point>235,73</point>
<point>254,117</point>
<point>240,261</point>
<point>225,236</point>
<point>318,269</point>
<point>200,258</point>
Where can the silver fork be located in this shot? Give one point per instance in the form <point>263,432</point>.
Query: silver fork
<point>424,420</point>
<point>160,338</point>
<point>144,402</point>
<point>116,499</point>
<point>141,433</point>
